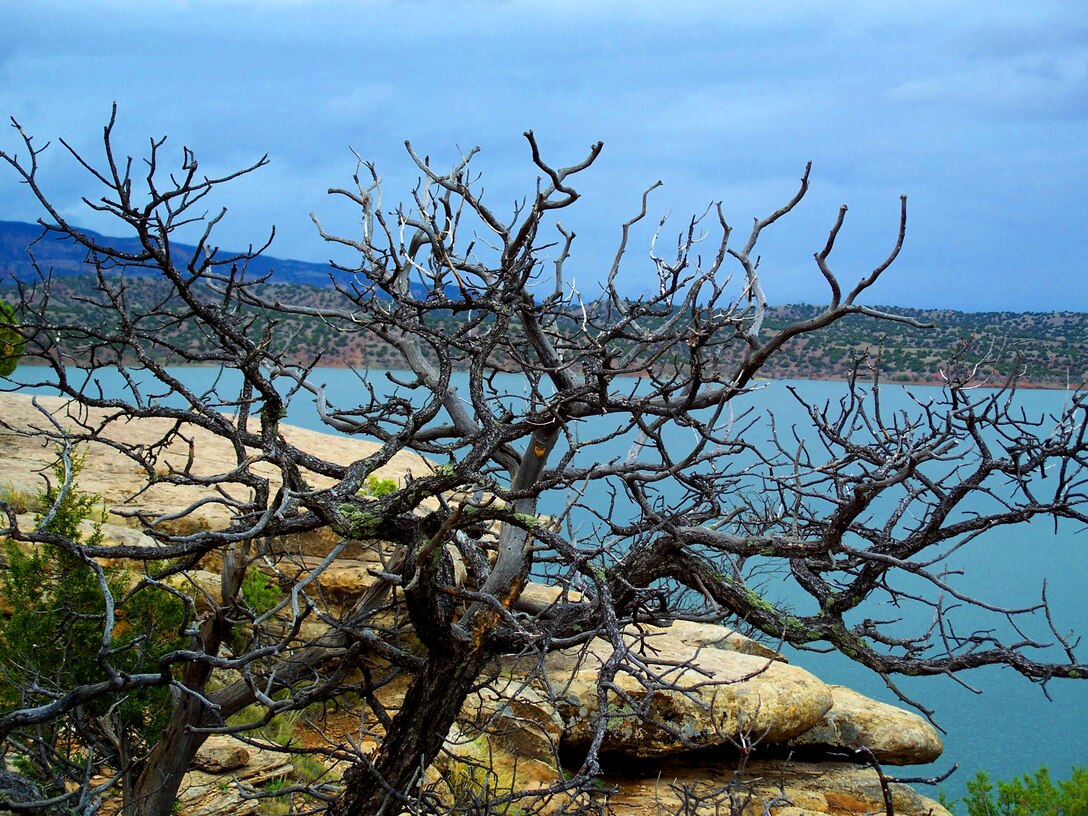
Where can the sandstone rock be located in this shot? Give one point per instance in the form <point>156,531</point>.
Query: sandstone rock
<point>345,580</point>
<point>518,717</point>
<point>485,762</point>
<point>506,739</point>
<point>121,483</point>
<point>220,754</point>
<point>895,736</point>
<point>702,696</point>
<point>203,586</point>
<point>856,789</point>
<point>705,683</point>
<point>779,787</point>
<point>119,535</point>
<point>319,542</point>
<point>536,598</point>
<point>206,794</point>
<point>720,637</point>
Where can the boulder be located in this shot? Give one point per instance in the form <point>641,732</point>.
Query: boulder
<point>346,580</point>
<point>118,535</point>
<point>220,754</point>
<point>676,697</point>
<point>852,789</point>
<point>539,598</point>
<point>895,736</point>
<point>516,717</point>
<point>483,763</point>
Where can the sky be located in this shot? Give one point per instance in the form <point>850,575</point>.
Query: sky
<point>976,111</point>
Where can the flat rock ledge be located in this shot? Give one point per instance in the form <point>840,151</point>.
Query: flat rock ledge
<point>704,693</point>
<point>223,772</point>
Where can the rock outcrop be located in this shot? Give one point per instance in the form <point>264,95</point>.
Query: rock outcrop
<point>682,696</point>
<point>123,486</point>
<point>778,787</point>
<point>894,736</point>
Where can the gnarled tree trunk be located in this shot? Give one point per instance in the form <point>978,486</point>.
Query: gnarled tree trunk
<point>415,737</point>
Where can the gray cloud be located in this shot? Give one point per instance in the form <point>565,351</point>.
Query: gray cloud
<point>974,110</point>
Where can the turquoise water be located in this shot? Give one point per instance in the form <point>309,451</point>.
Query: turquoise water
<point>1010,727</point>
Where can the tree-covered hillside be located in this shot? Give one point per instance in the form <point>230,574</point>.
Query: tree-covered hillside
<point>1046,349</point>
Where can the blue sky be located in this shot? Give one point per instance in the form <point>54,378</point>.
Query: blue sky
<point>977,111</point>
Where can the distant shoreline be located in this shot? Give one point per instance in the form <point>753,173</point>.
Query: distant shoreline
<point>994,385</point>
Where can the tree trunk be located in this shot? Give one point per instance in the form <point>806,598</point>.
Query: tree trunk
<point>431,705</point>
<point>156,787</point>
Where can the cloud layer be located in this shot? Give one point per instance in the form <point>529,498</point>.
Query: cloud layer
<point>976,111</point>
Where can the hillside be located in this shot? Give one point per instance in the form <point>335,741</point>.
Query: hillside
<point>63,258</point>
<point>1047,349</point>
<point>1050,349</point>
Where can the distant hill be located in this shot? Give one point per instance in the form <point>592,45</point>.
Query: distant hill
<point>66,258</point>
<point>1048,349</point>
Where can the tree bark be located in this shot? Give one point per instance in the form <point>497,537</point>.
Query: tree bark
<point>156,787</point>
<point>376,788</point>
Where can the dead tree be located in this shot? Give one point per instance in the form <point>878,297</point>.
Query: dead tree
<point>453,285</point>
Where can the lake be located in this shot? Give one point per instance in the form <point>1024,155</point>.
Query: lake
<point>1010,727</point>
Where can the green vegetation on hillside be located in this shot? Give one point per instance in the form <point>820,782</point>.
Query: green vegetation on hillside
<point>1042,349</point>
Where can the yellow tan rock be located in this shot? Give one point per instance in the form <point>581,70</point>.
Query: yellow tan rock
<point>895,736</point>
<point>683,697</point>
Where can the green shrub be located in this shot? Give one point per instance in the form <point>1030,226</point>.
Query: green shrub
<point>54,635</point>
<point>259,592</point>
<point>280,730</point>
<point>379,487</point>
<point>1030,795</point>
<point>11,341</point>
